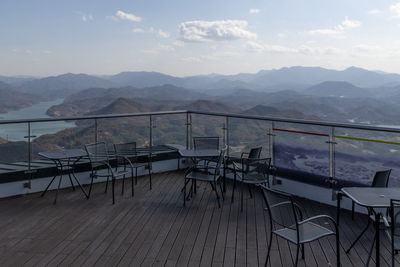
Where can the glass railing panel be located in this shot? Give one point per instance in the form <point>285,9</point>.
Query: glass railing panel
<point>49,136</point>
<point>169,129</point>
<point>13,143</point>
<point>245,134</point>
<point>359,154</point>
<point>205,125</point>
<point>301,152</point>
<point>124,130</point>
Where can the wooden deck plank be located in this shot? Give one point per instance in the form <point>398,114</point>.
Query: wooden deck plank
<point>153,229</point>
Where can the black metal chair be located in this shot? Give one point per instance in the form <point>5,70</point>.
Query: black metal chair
<point>287,222</point>
<point>205,143</point>
<point>250,171</point>
<point>205,173</point>
<point>128,158</point>
<point>381,179</point>
<point>395,226</point>
<point>101,167</point>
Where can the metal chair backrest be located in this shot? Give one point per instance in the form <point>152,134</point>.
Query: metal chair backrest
<point>126,149</point>
<point>98,154</point>
<point>206,143</point>
<point>256,169</point>
<point>219,162</point>
<point>381,179</point>
<point>281,208</point>
<point>255,152</point>
<point>395,218</point>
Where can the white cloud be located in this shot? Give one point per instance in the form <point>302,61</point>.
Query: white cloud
<point>87,17</point>
<point>137,30</point>
<point>166,48</point>
<point>163,34</point>
<point>191,59</point>
<point>126,16</point>
<point>367,48</point>
<point>84,17</point>
<point>257,47</point>
<point>315,50</point>
<point>47,52</point>
<point>395,9</point>
<point>220,30</point>
<point>254,11</point>
<point>304,49</point>
<point>374,12</point>
<point>345,25</point>
<point>179,43</point>
<point>281,35</point>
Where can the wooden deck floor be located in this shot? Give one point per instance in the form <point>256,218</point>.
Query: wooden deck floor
<point>153,229</point>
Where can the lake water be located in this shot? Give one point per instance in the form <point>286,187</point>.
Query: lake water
<point>17,132</point>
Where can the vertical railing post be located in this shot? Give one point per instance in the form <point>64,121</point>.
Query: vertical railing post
<point>96,138</point>
<point>187,130</point>
<point>151,132</point>
<point>271,136</point>
<point>190,131</point>
<point>332,144</point>
<point>271,142</point>
<point>227,134</point>
<point>30,172</point>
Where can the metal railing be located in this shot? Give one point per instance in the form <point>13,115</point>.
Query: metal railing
<point>272,131</point>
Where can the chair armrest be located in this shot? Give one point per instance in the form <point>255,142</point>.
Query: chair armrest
<point>319,217</point>
<point>297,207</point>
<point>244,153</point>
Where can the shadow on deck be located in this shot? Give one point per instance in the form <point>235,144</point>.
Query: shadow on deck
<point>153,229</point>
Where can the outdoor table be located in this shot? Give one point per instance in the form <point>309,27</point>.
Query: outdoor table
<point>372,198</point>
<point>194,154</point>
<point>64,159</point>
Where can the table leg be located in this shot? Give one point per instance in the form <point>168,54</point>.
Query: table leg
<point>44,192</point>
<point>58,188</point>
<point>377,249</point>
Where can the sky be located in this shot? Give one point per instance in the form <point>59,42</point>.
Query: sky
<point>185,37</point>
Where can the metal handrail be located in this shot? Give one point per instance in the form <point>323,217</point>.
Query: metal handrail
<point>215,114</point>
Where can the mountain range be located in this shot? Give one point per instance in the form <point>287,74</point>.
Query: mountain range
<point>293,78</point>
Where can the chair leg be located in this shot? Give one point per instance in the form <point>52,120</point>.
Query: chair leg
<point>151,185</point>
<point>352,210</point>
<point>105,191</point>
<point>297,254</point>
<point>90,188</point>
<point>123,185</point>
<point>132,184</point>
<point>359,236</point>
<point>233,189</point>
<point>70,179</point>
<point>337,248</point>
<point>184,192</point>
<point>136,175</point>
<point>241,197</point>
<point>371,250</point>
<point>302,251</point>
<point>248,187</point>
<point>222,191</point>
<point>216,193</point>
<point>113,191</point>
<point>269,248</point>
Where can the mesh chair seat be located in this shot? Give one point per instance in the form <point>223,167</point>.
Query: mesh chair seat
<point>105,173</point>
<point>396,244</point>
<point>308,232</point>
<point>201,176</point>
<point>126,154</point>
